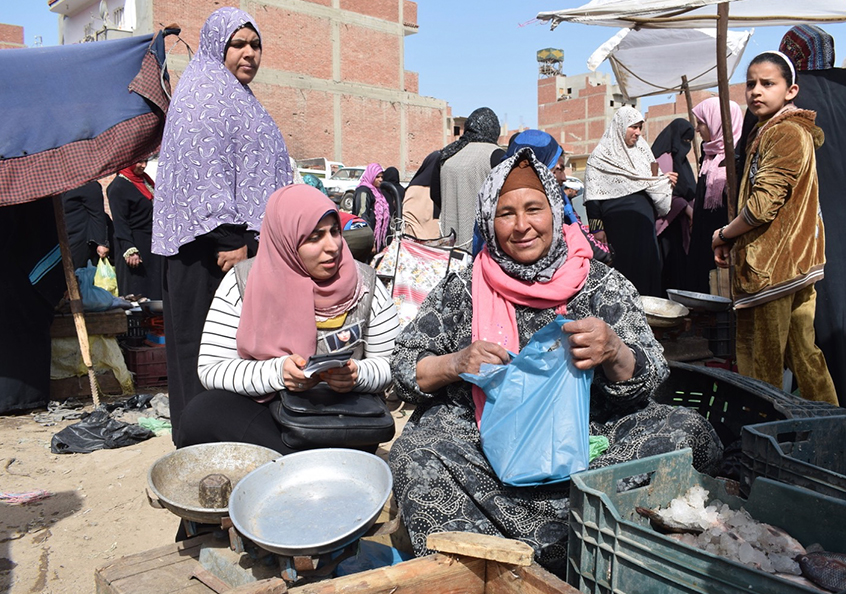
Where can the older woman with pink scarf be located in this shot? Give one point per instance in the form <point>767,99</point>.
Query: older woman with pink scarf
<point>709,208</point>
<point>303,294</point>
<point>372,206</point>
<point>532,268</point>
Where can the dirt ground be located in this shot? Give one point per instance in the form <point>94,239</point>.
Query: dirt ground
<point>97,510</point>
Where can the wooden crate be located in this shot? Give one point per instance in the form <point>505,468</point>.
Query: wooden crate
<point>109,323</point>
<point>468,564</point>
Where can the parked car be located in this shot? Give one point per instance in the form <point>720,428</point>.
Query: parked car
<point>341,186</point>
<point>319,166</point>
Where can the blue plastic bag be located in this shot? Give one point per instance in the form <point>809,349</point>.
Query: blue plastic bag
<point>535,423</point>
<point>93,297</point>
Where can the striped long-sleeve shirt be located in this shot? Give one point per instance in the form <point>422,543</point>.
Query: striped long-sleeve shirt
<point>221,368</point>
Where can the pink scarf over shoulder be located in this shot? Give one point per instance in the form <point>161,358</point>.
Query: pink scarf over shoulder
<point>495,294</point>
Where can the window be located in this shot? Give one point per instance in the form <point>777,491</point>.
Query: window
<point>612,103</point>
<point>456,130</point>
<point>117,17</point>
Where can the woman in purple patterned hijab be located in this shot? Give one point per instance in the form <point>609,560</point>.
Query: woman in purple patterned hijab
<point>222,156</point>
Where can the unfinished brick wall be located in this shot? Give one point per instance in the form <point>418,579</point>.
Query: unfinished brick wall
<point>11,36</point>
<point>297,86</point>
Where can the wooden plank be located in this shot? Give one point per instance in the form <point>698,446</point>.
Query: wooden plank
<point>432,574</point>
<point>76,387</point>
<point>163,570</point>
<point>482,546</point>
<point>270,586</point>
<point>502,579</point>
<point>109,323</point>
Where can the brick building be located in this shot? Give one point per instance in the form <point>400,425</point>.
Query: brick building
<point>332,72</point>
<point>576,110</point>
<point>11,36</point>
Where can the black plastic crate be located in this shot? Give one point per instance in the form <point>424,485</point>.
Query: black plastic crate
<point>730,400</point>
<point>721,335</point>
<point>809,453</point>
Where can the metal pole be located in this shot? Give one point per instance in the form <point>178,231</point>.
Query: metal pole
<point>725,110</point>
<point>692,118</point>
<point>75,297</point>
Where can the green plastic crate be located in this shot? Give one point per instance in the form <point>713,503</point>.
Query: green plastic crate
<point>612,549</point>
<point>809,453</point>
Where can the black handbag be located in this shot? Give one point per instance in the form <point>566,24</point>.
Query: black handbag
<point>323,418</point>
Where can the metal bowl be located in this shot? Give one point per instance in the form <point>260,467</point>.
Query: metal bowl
<point>663,313</point>
<point>311,502</point>
<point>153,307</point>
<point>175,478</point>
<point>699,301</point>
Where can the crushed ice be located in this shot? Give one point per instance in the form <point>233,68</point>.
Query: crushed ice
<point>733,534</point>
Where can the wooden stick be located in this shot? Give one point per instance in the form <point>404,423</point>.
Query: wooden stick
<point>692,118</point>
<point>75,297</point>
<point>725,109</point>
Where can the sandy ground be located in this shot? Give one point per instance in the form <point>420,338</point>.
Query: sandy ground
<point>97,510</point>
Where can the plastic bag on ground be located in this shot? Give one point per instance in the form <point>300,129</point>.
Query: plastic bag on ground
<point>535,423</point>
<point>97,431</point>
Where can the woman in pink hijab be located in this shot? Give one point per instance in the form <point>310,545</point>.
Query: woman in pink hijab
<point>303,294</point>
<point>372,206</point>
<point>709,208</point>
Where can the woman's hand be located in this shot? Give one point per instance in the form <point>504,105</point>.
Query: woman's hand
<point>470,359</point>
<point>673,177</point>
<point>341,379</point>
<point>227,260</point>
<point>102,251</point>
<point>721,255</point>
<point>435,372</point>
<point>593,342</point>
<point>133,261</point>
<point>293,376</point>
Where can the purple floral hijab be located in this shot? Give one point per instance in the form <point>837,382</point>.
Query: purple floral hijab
<point>222,154</point>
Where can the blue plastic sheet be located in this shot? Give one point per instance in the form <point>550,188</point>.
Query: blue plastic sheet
<point>535,423</point>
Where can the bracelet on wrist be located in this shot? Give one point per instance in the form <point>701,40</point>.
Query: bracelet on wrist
<point>723,238</point>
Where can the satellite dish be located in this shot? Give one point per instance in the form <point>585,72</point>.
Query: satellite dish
<point>104,10</point>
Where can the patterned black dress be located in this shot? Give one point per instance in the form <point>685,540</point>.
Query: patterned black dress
<point>442,479</point>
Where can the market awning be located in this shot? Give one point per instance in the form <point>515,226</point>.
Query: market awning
<point>641,64</point>
<point>698,14</point>
<point>73,113</point>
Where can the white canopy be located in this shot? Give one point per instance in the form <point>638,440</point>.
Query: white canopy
<point>653,61</point>
<point>699,14</point>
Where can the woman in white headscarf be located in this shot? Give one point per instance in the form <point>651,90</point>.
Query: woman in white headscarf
<point>623,194</point>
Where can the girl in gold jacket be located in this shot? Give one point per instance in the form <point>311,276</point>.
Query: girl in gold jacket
<point>777,239</point>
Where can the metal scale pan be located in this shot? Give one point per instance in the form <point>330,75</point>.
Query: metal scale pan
<point>312,502</point>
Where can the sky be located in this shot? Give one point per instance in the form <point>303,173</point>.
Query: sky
<point>472,53</point>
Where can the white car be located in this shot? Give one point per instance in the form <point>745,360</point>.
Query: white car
<point>319,167</point>
<point>341,186</point>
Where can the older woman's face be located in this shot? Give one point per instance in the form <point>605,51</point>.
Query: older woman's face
<point>243,55</point>
<point>320,252</point>
<point>523,225</point>
<point>633,133</point>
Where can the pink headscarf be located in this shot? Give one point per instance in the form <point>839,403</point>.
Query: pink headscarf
<point>495,293</point>
<point>715,176</point>
<point>281,299</point>
<point>383,213</point>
